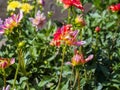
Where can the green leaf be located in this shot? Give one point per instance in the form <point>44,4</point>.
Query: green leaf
<point>65,87</point>
<point>53,57</point>
<point>22,79</point>
<point>110,24</point>
<point>44,81</point>
<point>11,81</point>
<point>105,70</point>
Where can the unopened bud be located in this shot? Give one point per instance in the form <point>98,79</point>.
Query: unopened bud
<point>97,29</point>
<point>80,21</point>
<point>21,44</point>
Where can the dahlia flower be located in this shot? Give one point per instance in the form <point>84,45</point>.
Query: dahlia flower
<point>39,20</point>
<point>115,8</point>
<point>78,59</point>
<point>6,62</point>
<point>76,3</point>
<point>12,21</point>
<point>65,35</point>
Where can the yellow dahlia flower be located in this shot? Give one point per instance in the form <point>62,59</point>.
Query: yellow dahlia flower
<point>25,7</point>
<point>13,5</point>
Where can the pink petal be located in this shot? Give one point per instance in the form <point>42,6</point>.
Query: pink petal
<point>20,16</point>
<point>8,87</point>
<point>1,31</point>
<point>75,33</point>
<point>68,63</point>
<point>12,61</point>
<point>79,43</point>
<point>90,57</point>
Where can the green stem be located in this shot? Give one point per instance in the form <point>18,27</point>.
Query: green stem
<point>85,72</point>
<point>95,53</point>
<point>81,39</point>
<point>73,12</point>
<point>72,75</point>
<point>76,78</point>
<point>16,73</point>
<point>4,77</point>
<point>28,88</point>
<point>36,6</point>
<point>23,66</point>
<point>69,10</point>
<point>18,66</point>
<point>62,63</point>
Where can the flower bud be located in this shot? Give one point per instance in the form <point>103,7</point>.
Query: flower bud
<point>78,59</point>
<point>41,2</point>
<point>80,21</point>
<point>21,44</point>
<point>97,29</point>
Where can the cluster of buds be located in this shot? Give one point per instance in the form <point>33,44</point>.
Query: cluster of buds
<point>65,35</point>
<point>115,8</point>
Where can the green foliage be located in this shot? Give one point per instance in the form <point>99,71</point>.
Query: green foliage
<point>40,63</point>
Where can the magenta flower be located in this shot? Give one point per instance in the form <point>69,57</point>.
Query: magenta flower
<point>39,20</point>
<point>6,62</point>
<point>12,21</point>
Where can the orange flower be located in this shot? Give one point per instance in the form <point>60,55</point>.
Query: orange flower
<point>59,34</point>
<point>65,35</point>
<point>76,3</point>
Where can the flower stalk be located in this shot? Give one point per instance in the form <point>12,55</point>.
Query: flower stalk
<point>16,73</point>
<point>62,63</point>
<point>77,78</point>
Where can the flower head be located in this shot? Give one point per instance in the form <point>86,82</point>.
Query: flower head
<point>39,20</point>
<point>12,21</point>
<point>65,35</point>
<point>115,8</point>
<point>97,29</point>
<point>78,59</point>
<point>6,62</point>
<point>76,3</point>
<point>80,21</point>
<point>25,7</point>
<point>13,5</point>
